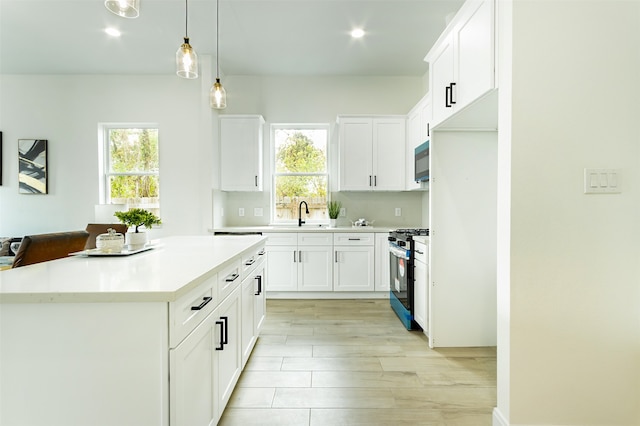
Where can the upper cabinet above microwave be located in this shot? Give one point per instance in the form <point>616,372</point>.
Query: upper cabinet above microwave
<point>462,62</point>
<point>372,153</point>
<point>241,152</point>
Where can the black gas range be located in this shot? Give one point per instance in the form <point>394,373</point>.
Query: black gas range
<point>401,258</point>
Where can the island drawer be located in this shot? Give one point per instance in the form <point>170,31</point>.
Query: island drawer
<point>251,260</point>
<point>189,310</point>
<point>229,278</point>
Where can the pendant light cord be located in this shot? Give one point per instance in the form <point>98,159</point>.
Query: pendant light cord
<point>186,18</point>
<point>217,38</point>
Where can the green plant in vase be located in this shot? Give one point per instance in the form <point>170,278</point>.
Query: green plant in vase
<point>334,211</point>
<point>135,218</point>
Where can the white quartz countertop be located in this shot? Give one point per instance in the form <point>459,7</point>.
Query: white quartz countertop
<point>303,228</point>
<point>162,274</point>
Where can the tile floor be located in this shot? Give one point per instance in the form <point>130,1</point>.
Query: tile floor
<point>351,362</point>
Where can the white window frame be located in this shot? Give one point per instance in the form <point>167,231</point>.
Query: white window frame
<point>274,174</point>
<point>105,158</point>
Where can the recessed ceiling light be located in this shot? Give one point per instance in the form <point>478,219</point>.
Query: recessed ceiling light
<point>112,32</point>
<point>357,33</point>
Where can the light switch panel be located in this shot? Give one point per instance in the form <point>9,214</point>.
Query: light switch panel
<point>602,181</point>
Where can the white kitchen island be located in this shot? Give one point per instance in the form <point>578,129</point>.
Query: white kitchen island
<point>147,339</point>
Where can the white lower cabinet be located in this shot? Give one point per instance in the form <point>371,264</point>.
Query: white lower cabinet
<point>205,367</point>
<point>353,262</point>
<point>383,274</point>
<point>421,286</point>
<point>253,308</point>
<point>300,261</point>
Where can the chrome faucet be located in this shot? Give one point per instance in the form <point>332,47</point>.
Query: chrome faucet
<point>300,221</point>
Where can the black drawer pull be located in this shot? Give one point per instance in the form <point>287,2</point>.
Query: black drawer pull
<point>221,347</point>
<point>205,300</point>
<point>250,262</point>
<point>259,278</point>
<point>354,239</point>
<point>262,252</point>
<point>225,338</point>
<point>419,252</point>
<point>231,278</point>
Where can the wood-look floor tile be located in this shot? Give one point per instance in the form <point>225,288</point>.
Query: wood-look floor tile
<point>266,379</point>
<point>252,398</point>
<point>375,417</point>
<point>264,363</point>
<point>357,351</point>
<point>331,364</point>
<point>332,398</point>
<point>264,417</point>
<point>414,364</point>
<point>364,379</point>
<point>445,397</point>
<point>282,350</point>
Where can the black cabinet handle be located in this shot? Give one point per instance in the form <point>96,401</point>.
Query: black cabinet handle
<point>419,252</point>
<point>259,278</point>
<point>451,92</point>
<point>231,278</point>
<point>221,347</point>
<point>369,180</point>
<point>225,337</point>
<point>262,253</point>
<point>294,257</point>
<point>428,130</point>
<point>256,179</point>
<point>375,180</point>
<point>447,94</point>
<point>250,262</point>
<point>354,239</point>
<point>205,300</point>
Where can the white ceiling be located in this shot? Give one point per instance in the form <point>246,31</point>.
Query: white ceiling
<point>257,37</point>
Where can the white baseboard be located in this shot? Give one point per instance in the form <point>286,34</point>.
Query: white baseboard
<point>498,418</point>
<point>328,295</point>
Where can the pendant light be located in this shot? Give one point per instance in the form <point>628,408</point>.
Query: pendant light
<point>186,57</point>
<point>217,94</point>
<point>124,8</point>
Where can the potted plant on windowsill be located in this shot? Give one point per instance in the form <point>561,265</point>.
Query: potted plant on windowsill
<point>135,218</point>
<point>334,211</point>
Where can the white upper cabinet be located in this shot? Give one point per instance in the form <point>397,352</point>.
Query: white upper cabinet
<point>372,153</point>
<point>418,132</point>
<point>241,152</point>
<point>462,62</point>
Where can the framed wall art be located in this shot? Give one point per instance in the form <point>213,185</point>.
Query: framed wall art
<point>0,158</point>
<point>32,166</point>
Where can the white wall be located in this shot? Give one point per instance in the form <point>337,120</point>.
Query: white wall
<point>572,274</point>
<point>321,100</point>
<point>66,111</point>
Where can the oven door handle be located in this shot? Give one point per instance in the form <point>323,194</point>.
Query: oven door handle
<point>399,252</point>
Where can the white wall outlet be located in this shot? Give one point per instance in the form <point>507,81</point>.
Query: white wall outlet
<point>398,211</point>
<point>257,211</point>
<point>343,212</point>
<point>241,211</point>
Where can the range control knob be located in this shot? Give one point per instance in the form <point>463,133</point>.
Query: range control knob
<point>402,243</point>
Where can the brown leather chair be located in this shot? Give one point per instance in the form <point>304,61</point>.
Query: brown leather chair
<point>44,247</point>
<point>95,229</point>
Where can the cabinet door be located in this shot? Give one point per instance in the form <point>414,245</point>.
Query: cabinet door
<point>474,60</point>
<point>441,76</point>
<point>425,120</point>
<point>282,264</point>
<point>383,274</point>
<point>420,294</point>
<point>314,268</point>
<point>228,336</point>
<point>241,153</point>
<point>248,317</point>
<point>356,156</point>
<point>388,154</point>
<point>353,268</point>
<point>192,388</point>
<point>259,299</point>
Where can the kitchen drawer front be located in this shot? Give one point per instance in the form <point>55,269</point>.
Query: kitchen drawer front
<point>229,278</point>
<point>315,238</point>
<point>353,239</point>
<point>251,260</point>
<point>421,252</point>
<point>189,310</point>
<point>281,238</point>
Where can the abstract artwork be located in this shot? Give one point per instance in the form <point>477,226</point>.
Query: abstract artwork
<point>32,166</point>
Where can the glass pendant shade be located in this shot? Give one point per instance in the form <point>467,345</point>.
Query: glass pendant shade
<point>186,61</point>
<point>217,96</point>
<point>124,8</point>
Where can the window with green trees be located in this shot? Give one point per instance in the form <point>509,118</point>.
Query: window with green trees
<point>132,167</point>
<point>300,172</point>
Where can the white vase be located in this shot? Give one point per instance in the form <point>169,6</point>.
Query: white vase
<point>135,240</point>
<point>332,223</point>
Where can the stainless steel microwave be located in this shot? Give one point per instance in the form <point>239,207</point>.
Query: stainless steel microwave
<point>422,162</point>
